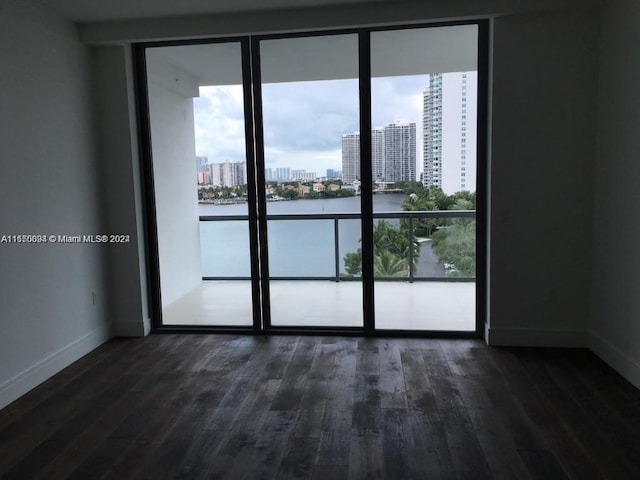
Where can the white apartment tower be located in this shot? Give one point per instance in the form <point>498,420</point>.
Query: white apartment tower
<point>399,152</point>
<point>377,154</point>
<point>432,131</point>
<point>351,156</point>
<point>449,131</point>
<point>283,173</point>
<point>228,174</point>
<point>234,173</point>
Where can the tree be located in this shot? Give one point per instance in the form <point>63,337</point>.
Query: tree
<point>390,251</point>
<point>462,204</point>
<point>456,244</point>
<point>387,264</point>
<point>423,227</point>
<point>353,263</point>
<point>453,238</point>
<point>411,187</point>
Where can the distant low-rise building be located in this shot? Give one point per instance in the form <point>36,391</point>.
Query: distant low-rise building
<point>303,190</point>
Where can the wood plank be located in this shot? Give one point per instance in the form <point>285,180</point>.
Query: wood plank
<point>393,393</point>
<point>335,439</point>
<point>366,454</point>
<point>299,460</point>
<point>233,406</point>
<point>417,384</point>
<point>367,409</point>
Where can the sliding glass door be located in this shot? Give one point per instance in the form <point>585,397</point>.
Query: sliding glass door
<point>321,181</point>
<point>310,108</point>
<point>424,113</point>
<point>202,161</point>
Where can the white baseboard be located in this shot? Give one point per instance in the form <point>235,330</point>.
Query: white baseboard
<point>620,361</point>
<point>531,337</point>
<point>33,376</point>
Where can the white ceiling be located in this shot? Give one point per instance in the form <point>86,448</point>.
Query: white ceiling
<point>87,11</point>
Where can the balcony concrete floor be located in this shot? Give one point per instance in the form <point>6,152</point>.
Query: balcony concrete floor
<point>399,305</point>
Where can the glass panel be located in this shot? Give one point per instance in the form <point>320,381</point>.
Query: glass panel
<point>199,165</point>
<point>424,97</point>
<point>312,166</point>
<point>301,248</point>
<point>449,251</point>
<point>350,253</point>
<point>224,249</point>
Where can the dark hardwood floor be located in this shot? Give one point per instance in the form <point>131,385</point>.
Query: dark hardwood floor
<point>245,407</point>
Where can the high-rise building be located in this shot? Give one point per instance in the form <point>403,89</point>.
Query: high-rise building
<point>234,173</point>
<point>269,174</point>
<point>449,134</point>
<point>377,155</point>
<point>351,156</point>
<point>201,166</point>
<point>283,174</point>
<point>201,163</point>
<point>303,176</point>
<point>279,174</point>
<point>399,152</point>
<point>432,132</point>
<point>227,174</point>
<point>332,173</point>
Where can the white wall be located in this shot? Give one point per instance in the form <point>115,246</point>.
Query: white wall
<point>174,171</point>
<point>543,129</point>
<point>48,185</point>
<point>615,294</point>
<point>121,188</point>
<point>544,232</point>
<point>544,104</point>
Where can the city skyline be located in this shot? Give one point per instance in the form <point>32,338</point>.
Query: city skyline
<point>393,153</point>
<point>292,141</point>
<point>230,174</point>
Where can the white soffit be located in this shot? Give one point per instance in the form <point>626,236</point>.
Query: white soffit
<point>393,52</point>
<point>424,50</point>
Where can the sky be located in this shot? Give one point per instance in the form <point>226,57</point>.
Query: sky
<point>303,121</point>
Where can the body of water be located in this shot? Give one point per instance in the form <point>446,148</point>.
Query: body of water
<point>389,202</point>
<point>297,248</point>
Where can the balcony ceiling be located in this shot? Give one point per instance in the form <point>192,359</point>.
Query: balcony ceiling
<point>423,51</point>
<point>87,11</point>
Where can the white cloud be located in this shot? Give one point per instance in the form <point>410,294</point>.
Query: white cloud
<point>303,121</point>
<point>219,123</point>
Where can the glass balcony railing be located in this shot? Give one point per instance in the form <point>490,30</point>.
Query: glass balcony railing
<point>408,246</point>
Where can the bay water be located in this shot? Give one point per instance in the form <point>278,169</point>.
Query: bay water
<point>297,248</point>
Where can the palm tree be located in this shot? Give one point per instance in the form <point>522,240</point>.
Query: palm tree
<point>387,238</point>
<point>386,264</point>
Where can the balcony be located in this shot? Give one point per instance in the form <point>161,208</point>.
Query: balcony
<point>315,278</point>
